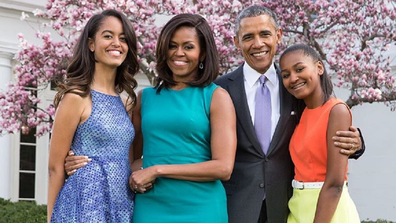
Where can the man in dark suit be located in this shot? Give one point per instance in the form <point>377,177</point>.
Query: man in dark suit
<point>260,185</point>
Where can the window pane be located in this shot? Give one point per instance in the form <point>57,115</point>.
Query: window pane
<point>30,138</point>
<point>54,83</point>
<point>26,185</point>
<point>27,158</point>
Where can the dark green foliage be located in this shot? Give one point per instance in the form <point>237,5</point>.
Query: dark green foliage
<point>24,211</point>
<point>30,212</point>
<point>377,221</point>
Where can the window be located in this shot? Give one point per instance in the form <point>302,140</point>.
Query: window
<point>27,166</point>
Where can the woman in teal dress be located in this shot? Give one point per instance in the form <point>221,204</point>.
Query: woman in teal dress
<point>188,126</point>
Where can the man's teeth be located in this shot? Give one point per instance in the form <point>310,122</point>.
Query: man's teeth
<point>259,54</point>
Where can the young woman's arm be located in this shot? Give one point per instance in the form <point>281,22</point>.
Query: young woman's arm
<point>223,147</point>
<point>71,112</point>
<point>340,119</point>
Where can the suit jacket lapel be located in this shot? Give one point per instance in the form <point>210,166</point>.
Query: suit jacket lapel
<point>285,112</point>
<point>237,92</point>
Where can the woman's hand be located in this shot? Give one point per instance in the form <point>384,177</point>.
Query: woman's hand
<point>142,180</point>
<point>72,162</point>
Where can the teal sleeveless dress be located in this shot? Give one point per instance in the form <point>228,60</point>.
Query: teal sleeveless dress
<point>176,130</point>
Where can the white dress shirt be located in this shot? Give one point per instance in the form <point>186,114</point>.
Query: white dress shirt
<point>251,80</point>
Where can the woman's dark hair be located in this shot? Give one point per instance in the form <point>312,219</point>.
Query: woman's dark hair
<point>325,81</point>
<point>208,47</point>
<point>80,72</point>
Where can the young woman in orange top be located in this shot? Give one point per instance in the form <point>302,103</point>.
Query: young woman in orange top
<point>320,183</point>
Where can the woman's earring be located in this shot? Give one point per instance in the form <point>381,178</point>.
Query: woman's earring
<point>200,66</point>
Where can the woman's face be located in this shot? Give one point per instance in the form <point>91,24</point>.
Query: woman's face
<point>301,74</point>
<point>184,54</point>
<point>109,45</point>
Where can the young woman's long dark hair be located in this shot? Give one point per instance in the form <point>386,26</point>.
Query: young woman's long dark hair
<point>80,72</point>
<point>207,44</point>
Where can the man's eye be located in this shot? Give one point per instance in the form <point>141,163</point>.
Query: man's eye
<point>247,38</point>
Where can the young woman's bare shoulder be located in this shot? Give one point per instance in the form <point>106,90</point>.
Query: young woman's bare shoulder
<point>340,110</point>
<point>75,103</point>
<point>340,114</point>
<point>73,98</point>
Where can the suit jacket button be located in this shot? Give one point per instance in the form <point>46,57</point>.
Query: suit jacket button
<point>266,159</point>
<point>261,185</point>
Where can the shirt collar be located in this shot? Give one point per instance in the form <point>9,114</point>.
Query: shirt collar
<point>251,75</point>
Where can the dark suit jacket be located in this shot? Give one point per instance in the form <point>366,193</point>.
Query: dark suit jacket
<point>255,172</point>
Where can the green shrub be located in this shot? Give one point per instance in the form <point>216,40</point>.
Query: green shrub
<point>23,211</point>
<point>30,212</point>
<point>377,221</point>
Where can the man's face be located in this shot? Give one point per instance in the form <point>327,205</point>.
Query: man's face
<point>257,39</point>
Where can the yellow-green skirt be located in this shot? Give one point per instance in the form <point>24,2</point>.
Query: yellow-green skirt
<point>302,207</point>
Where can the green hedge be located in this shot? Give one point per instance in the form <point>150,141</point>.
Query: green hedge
<point>23,211</point>
<point>377,221</point>
<point>30,212</point>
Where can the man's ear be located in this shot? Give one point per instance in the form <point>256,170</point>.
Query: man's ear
<point>279,34</point>
<point>236,42</point>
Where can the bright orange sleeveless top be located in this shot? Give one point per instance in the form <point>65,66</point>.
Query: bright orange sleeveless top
<point>308,145</point>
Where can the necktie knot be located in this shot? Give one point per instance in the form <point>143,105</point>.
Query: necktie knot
<point>262,79</point>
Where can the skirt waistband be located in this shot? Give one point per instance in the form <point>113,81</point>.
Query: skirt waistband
<point>310,185</point>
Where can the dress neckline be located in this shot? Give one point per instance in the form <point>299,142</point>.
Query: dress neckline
<point>180,90</point>
<point>105,93</point>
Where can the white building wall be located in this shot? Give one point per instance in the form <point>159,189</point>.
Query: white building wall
<point>5,142</point>
<point>372,177</point>
<point>10,26</point>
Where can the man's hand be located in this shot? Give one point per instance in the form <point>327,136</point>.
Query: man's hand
<point>72,162</point>
<point>348,141</point>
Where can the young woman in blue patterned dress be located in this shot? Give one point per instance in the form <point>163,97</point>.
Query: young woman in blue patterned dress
<point>93,120</point>
<point>186,128</point>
